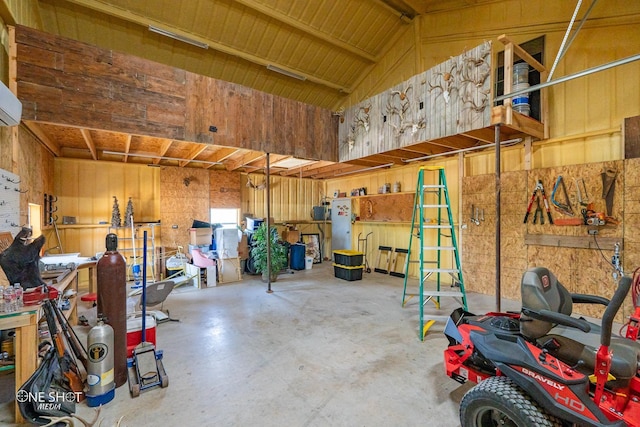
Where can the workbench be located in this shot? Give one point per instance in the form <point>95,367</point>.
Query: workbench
<point>25,322</point>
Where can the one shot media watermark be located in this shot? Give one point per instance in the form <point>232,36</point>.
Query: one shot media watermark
<point>49,401</point>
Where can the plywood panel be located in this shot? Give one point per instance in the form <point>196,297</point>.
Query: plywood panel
<point>389,207</point>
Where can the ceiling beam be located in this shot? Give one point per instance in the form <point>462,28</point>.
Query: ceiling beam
<point>43,138</point>
<point>404,15</point>
<point>163,150</point>
<point>223,153</point>
<point>310,31</point>
<point>144,21</point>
<point>86,135</point>
<point>306,168</point>
<point>127,147</point>
<point>273,158</point>
<point>195,152</point>
<point>243,160</point>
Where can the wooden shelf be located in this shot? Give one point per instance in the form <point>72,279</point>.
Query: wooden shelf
<point>384,222</point>
<point>63,226</point>
<point>382,194</point>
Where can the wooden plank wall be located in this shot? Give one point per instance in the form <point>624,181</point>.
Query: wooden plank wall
<point>580,269</point>
<point>448,99</point>
<point>68,82</point>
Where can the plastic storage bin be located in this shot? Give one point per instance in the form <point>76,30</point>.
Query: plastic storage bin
<point>297,256</point>
<point>348,257</point>
<point>348,272</point>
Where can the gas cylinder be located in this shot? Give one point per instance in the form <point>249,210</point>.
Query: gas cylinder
<point>112,303</point>
<point>100,364</point>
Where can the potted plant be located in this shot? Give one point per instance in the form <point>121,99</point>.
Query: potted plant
<point>259,252</point>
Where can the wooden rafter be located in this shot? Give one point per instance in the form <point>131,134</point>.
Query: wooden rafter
<point>127,147</point>
<point>195,152</point>
<point>86,135</point>
<point>42,136</point>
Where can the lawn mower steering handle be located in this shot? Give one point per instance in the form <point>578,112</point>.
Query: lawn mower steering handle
<point>557,318</point>
<point>612,309</point>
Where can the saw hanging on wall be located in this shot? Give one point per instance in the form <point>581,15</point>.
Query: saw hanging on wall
<point>565,207</point>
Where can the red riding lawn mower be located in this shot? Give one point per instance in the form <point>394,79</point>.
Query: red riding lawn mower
<point>542,367</point>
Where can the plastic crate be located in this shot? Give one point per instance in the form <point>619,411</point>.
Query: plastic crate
<point>349,273</point>
<point>348,257</point>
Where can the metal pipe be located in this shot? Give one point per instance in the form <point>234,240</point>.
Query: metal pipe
<point>498,251</point>
<point>573,36</point>
<point>463,150</point>
<point>569,77</point>
<point>564,39</point>
<point>268,221</point>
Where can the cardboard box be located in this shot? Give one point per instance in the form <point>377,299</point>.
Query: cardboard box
<point>291,236</point>
<point>243,247</point>
<point>200,236</point>
<point>229,270</point>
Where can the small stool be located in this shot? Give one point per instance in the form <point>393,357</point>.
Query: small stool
<point>90,297</point>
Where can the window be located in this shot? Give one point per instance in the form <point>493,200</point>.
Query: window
<point>228,218</point>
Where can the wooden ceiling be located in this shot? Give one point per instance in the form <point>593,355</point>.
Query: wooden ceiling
<point>330,45</point>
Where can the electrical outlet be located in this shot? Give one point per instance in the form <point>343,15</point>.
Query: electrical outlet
<point>593,231</point>
<point>174,226</point>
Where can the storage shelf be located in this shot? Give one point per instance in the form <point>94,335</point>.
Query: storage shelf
<point>381,194</point>
<point>62,226</point>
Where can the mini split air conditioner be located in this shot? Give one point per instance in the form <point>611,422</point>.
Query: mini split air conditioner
<point>10,107</point>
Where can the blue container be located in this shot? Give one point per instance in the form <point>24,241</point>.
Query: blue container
<point>296,258</point>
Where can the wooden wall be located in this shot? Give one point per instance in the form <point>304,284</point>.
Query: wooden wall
<point>67,82</point>
<point>224,189</point>
<point>394,233</point>
<point>578,260</point>
<point>446,100</point>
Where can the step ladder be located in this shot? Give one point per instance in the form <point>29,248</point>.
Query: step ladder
<point>383,263</point>
<point>399,263</point>
<point>432,221</point>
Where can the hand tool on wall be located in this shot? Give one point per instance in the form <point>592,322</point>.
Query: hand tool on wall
<point>608,186</point>
<point>474,215</point>
<point>538,212</point>
<point>565,208</point>
<point>538,188</point>
<point>581,190</point>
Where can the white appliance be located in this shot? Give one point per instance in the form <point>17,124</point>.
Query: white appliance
<point>10,107</point>
<point>341,224</point>
<point>227,240</point>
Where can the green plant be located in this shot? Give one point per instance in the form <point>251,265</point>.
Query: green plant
<point>259,250</point>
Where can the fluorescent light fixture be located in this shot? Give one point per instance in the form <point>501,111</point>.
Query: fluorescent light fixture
<point>291,162</point>
<point>178,37</point>
<point>285,72</point>
<point>151,156</point>
<point>388,165</point>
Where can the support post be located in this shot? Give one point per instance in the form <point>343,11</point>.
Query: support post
<point>268,221</point>
<point>497,140</point>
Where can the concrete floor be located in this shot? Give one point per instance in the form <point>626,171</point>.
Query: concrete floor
<point>319,351</point>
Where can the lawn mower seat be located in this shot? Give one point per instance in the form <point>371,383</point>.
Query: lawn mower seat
<point>540,290</point>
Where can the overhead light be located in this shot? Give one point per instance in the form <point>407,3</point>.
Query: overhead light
<point>178,37</point>
<point>151,156</point>
<point>291,162</point>
<point>365,169</point>
<point>285,72</point>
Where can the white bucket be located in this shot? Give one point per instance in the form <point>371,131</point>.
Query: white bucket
<point>520,103</point>
<point>521,73</point>
<point>308,262</point>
